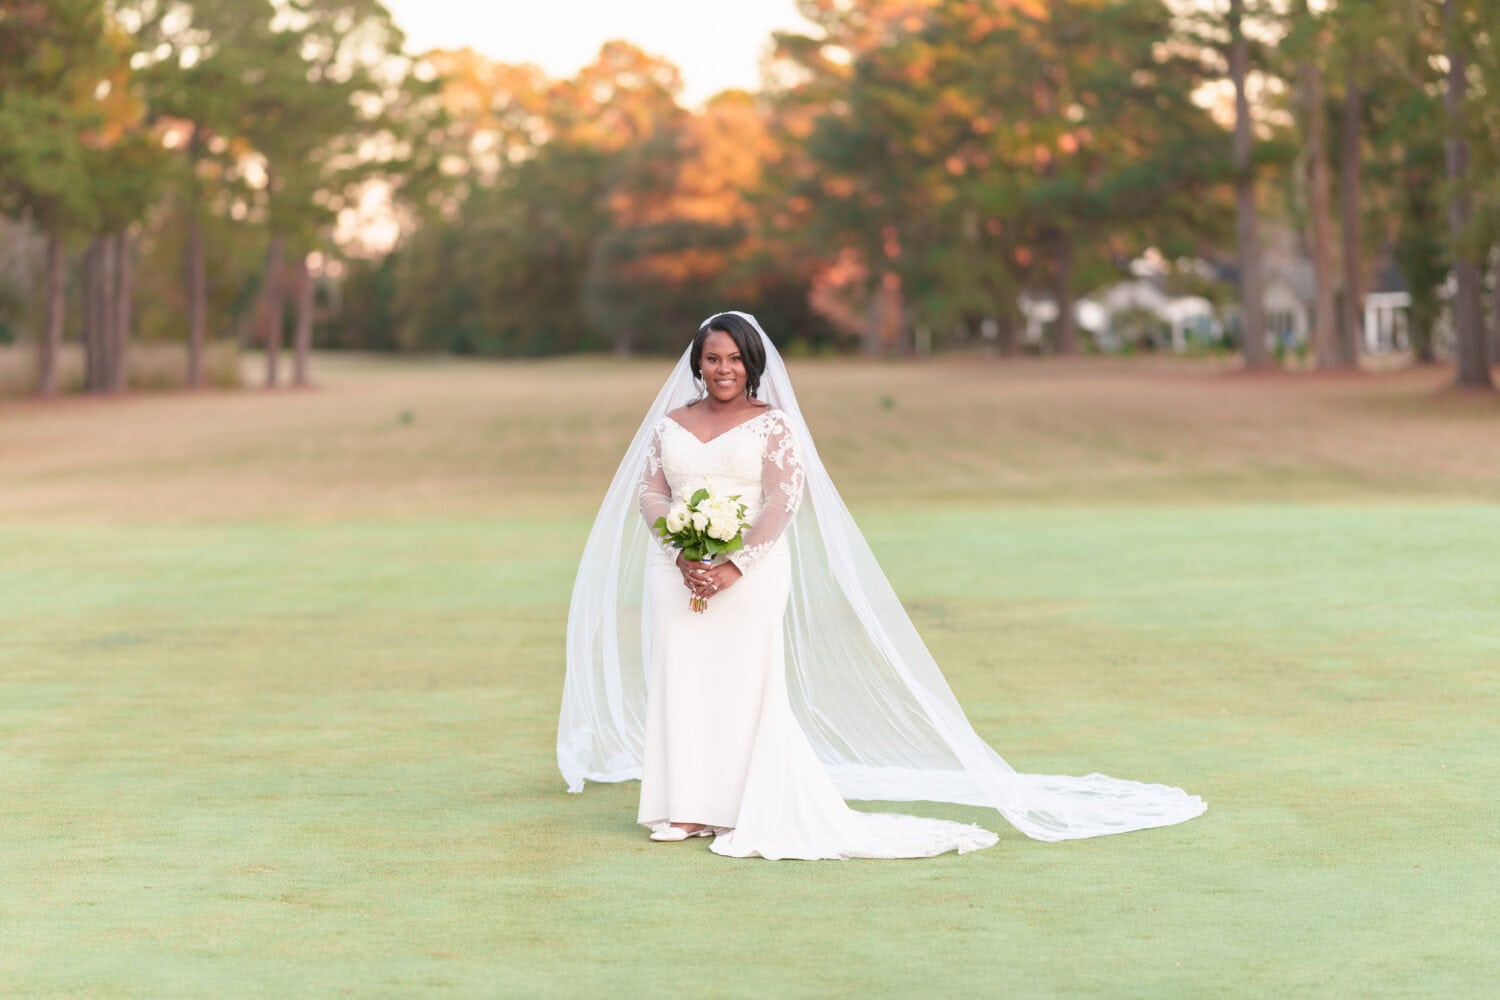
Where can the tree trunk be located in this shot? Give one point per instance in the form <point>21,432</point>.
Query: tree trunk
<point>1319,228</point>
<point>302,341</point>
<point>1005,331</point>
<point>1351,336</point>
<point>1494,353</point>
<point>1417,251</point>
<point>885,330</point>
<point>1252,294</point>
<point>1473,368</point>
<point>121,295</point>
<point>98,312</point>
<point>195,268</point>
<point>50,344</point>
<point>901,334</point>
<point>271,305</point>
<point>197,298</point>
<point>871,336</point>
<point>88,273</point>
<point>1421,319</point>
<point>1066,339</point>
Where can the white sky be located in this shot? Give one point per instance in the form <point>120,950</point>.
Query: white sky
<point>715,43</point>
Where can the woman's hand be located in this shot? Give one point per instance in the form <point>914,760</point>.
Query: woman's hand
<point>706,581</point>
<point>694,576</point>
<point>717,579</point>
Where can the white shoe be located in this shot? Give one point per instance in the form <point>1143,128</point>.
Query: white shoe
<point>664,832</point>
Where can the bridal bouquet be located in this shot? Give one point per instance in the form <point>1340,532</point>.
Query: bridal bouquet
<point>704,526</point>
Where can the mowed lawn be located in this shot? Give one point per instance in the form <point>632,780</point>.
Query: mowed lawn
<point>279,675</point>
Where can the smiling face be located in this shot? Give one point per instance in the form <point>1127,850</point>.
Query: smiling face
<point>722,366</point>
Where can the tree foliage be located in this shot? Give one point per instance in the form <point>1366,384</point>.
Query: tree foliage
<point>910,172</point>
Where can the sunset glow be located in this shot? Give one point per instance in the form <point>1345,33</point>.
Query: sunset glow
<point>716,45</point>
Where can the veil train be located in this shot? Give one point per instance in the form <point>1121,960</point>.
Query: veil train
<point>863,686</point>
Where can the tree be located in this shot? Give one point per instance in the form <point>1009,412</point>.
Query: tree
<point>1484,127</point>
<point>53,57</point>
<point>680,216</point>
<point>316,117</point>
<point>1402,178</point>
<point>123,160</point>
<point>494,115</point>
<point>198,66</point>
<point>1309,41</point>
<point>1473,367</point>
<point>1063,137</point>
<point>842,115</point>
<point>1247,241</point>
<point>1355,23</point>
<point>544,237</point>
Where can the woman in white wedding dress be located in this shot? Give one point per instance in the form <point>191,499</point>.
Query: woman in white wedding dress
<point>804,682</point>
<point>723,753</point>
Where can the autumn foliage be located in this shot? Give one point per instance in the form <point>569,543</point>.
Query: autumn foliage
<point>908,175</point>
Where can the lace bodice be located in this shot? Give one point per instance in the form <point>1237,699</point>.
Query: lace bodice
<point>758,460</point>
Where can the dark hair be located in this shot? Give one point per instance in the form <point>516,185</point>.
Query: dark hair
<point>746,338</point>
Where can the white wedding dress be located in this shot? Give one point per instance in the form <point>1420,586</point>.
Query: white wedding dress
<point>803,685</point>
<point>722,745</point>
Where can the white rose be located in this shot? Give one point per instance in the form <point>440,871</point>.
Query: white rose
<point>677,517</point>
<point>722,528</point>
<point>700,520</point>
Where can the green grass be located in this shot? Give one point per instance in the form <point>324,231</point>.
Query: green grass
<point>279,678</point>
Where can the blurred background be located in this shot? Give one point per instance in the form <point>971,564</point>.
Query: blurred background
<point>1283,182</point>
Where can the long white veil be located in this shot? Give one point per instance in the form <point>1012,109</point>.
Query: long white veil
<point>862,684</point>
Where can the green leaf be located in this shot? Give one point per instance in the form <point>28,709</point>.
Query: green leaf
<point>698,498</point>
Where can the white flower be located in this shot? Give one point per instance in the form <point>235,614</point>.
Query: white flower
<point>700,520</point>
<point>677,517</point>
<point>722,528</point>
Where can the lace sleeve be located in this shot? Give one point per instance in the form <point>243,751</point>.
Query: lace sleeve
<point>654,494</point>
<point>781,486</point>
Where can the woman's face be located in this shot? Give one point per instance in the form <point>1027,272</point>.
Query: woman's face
<point>722,367</point>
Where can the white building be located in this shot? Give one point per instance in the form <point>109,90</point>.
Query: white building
<point>1139,307</point>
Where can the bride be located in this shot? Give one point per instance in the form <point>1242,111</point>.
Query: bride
<point>804,683</point>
